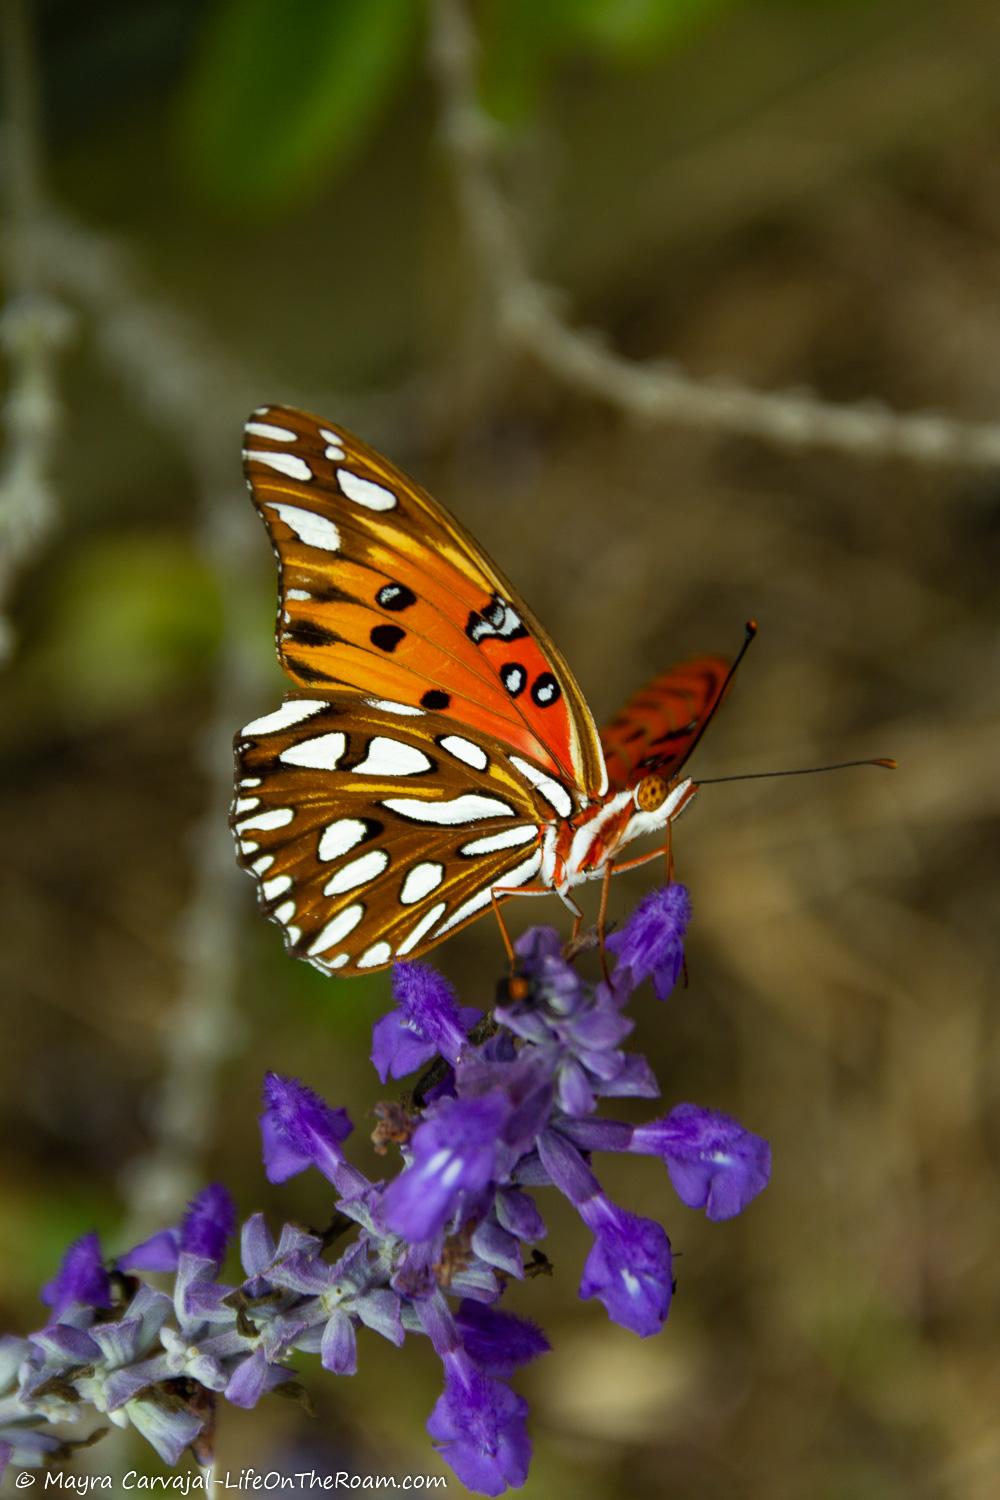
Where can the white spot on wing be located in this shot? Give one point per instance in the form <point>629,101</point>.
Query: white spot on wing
<point>378,953</point>
<point>314,530</point>
<point>273,817</point>
<point>265,862</point>
<point>284,914</point>
<point>335,451</point>
<point>338,962</point>
<point>268,430</point>
<point>276,887</point>
<point>244,804</point>
<point>429,920</point>
<point>465,751</point>
<point>338,927</point>
<point>337,838</point>
<point>366,867</point>
<point>509,838</point>
<point>293,933</point>
<point>391,758</point>
<point>468,808</point>
<point>420,881</point>
<point>554,792</point>
<point>249,846</point>
<point>285,463</point>
<point>292,712</point>
<point>390,706</point>
<point>250,781</point>
<point>365,491</point>
<point>299,594</point>
<point>319,754</point>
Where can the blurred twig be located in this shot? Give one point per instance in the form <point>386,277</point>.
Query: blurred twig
<point>167,363</point>
<point>529,317</point>
<point>33,325</point>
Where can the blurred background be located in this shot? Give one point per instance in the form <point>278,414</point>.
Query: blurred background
<point>351,205</point>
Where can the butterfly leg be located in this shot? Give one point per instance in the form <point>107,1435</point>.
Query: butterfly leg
<point>602,920</point>
<point>500,893</point>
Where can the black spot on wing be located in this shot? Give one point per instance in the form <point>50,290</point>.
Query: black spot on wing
<point>434,699</point>
<point>395,596</point>
<point>387,637</point>
<point>545,690</point>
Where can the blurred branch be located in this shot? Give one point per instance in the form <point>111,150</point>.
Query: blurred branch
<point>528,315</point>
<point>193,389</point>
<point>33,326</point>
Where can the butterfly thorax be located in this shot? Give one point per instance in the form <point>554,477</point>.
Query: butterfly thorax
<point>581,847</point>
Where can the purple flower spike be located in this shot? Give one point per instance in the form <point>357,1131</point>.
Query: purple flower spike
<point>478,1427</point>
<point>81,1278</point>
<point>209,1223</point>
<point>299,1130</point>
<point>159,1253</point>
<point>714,1163</point>
<point>628,1268</point>
<point>428,1021</point>
<point>454,1152</point>
<point>651,942</point>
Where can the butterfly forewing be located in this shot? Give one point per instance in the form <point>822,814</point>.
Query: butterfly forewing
<point>656,729</point>
<point>373,832</point>
<point>383,592</point>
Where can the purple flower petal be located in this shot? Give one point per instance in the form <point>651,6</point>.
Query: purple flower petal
<point>380,1310</point>
<point>651,944</point>
<point>248,1381</point>
<point>209,1223</point>
<point>628,1268</point>
<point>454,1153</point>
<point>339,1350</point>
<point>158,1253</point>
<point>256,1246</point>
<point>518,1213</point>
<point>167,1429</point>
<point>713,1161</point>
<point>499,1342</point>
<point>81,1278</point>
<point>478,1427</point>
<point>497,1248</point>
<point>299,1129</point>
<point>428,1014</point>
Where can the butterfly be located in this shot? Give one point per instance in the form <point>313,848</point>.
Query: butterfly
<point>436,754</point>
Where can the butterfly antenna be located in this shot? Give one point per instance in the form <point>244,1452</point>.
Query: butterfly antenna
<point>750,630</point>
<point>841,765</point>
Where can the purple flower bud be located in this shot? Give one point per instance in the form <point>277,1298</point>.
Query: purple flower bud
<point>428,1021</point>
<point>478,1427</point>
<point>454,1153</point>
<point>81,1278</point>
<point>499,1342</point>
<point>628,1268</point>
<point>208,1224</point>
<point>651,942</point>
<point>299,1130</point>
<point>714,1163</point>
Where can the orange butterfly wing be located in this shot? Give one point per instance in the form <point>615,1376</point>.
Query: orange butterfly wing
<point>656,729</point>
<point>383,592</point>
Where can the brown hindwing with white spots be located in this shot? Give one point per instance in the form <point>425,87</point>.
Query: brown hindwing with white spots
<point>374,829</point>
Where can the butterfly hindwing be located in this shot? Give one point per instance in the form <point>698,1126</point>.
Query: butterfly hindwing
<point>656,729</point>
<point>374,830</point>
<point>384,593</point>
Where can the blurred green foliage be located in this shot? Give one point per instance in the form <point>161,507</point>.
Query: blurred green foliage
<point>132,618</point>
<point>278,102</point>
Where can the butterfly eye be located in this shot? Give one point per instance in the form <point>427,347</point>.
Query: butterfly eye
<point>651,793</point>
